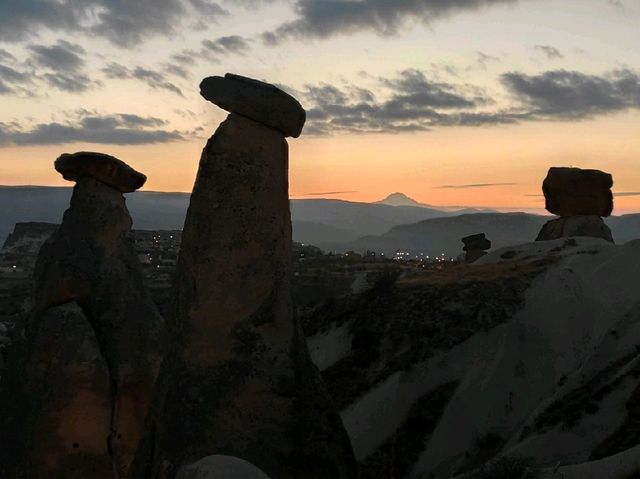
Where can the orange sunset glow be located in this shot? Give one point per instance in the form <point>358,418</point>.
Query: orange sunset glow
<point>513,130</point>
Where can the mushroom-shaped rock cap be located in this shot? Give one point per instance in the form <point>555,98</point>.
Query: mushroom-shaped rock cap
<point>477,242</point>
<point>259,101</point>
<point>574,191</point>
<point>104,168</point>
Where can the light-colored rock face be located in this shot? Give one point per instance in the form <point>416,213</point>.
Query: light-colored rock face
<point>90,261</point>
<point>239,381</point>
<point>221,467</point>
<point>574,191</point>
<point>556,380</point>
<point>104,168</point>
<point>256,100</point>
<point>472,256</point>
<point>580,225</point>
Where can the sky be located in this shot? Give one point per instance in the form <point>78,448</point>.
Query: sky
<point>452,102</point>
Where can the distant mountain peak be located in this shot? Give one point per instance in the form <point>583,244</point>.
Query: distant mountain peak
<point>400,199</point>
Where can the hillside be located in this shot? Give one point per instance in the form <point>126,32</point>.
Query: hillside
<point>318,219</point>
<point>442,235</point>
<point>331,224</point>
<point>531,353</point>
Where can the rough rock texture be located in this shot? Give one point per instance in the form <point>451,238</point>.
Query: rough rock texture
<point>475,247</point>
<point>238,380</point>
<point>473,255</point>
<point>476,242</point>
<point>580,225</point>
<point>104,168</point>
<point>56,402</point>
<point>221,467</point>
<point>256,100</point>
<point>90,261</point>
<point>574,191</point>
<point>26,234</point>
<point>5,341</point>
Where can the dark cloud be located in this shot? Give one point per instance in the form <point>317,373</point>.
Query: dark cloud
<point>413,103</point>
<point>249,3</point>
<point>226,45</point>
<point>475,185</point>
<point>69,82</point>
<point>627,193</point>
<point>116,71</point>
<point>125,129</point>
<point>322,19</point>
<point>179,64</point>
<point>62,57</point>
<point>14,81</point>
<point>208,8</point>
<point>131,120</point>
<point>6,56</point>
<point>64,66</point>
<point>11,75</point>
<point>566,94</point>
<point>415,90</point>
<point>185,57</point>
<point>552,53</point>
<point>17,81</point>
<point>326,193</point>
<point>177,70</point>
<point>123,22</point>
<point>154,79</point>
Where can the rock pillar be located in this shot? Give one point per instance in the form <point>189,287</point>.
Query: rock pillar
<point>79,390</point>
<point>239,381</point>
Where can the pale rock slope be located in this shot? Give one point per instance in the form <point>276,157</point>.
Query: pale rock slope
<point>554,378</point>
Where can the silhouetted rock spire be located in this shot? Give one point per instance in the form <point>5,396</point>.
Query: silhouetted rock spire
<point>475,247</point>
<point>238,380</point>
<point>79,388</point>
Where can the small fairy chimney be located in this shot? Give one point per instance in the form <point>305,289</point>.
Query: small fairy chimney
<point>581,198</point>
<point>475,247</point>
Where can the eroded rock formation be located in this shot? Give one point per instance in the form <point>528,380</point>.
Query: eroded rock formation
<point>238,380</point>
<point>581,198</point>
<point>475,247</point>
<point>579,225</point>
<point>78,390</point>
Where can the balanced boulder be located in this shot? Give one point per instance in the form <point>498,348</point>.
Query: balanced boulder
<point>581,198</point>
<point>476,242</point>
<point>105,168</point>
<point>475,247</point>
<point>574,191</point>
<point>256,100</point>
<point>238,380</point>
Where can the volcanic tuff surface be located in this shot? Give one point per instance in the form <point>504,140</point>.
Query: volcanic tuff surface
<point>532,352</point>
<point>79,378</point>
